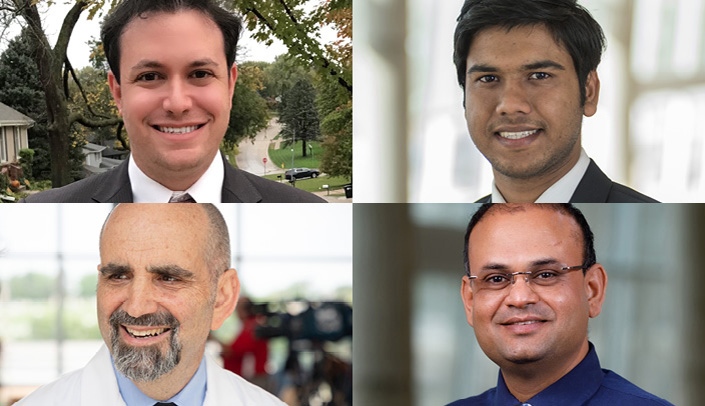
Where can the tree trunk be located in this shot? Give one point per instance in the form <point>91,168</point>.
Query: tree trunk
<point>303,147</point>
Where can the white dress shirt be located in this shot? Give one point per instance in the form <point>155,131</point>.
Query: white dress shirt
<point>207,189</point>
<point>562,190</point>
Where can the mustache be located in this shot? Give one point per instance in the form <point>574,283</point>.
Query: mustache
<point>120,317</point>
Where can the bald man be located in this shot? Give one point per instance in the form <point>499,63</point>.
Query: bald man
<point>164,283</point>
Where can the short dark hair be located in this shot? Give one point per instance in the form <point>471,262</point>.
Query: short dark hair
<point>570,23</point>
<point>589,257</point>
<point>230,25</point>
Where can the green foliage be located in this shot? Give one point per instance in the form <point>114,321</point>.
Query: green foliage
<point>298,24</point>
<point>335,106</point>
<point>249,114</point>
<point>32,286</point>
<point>283,156</point>
<point>26,158</point>
<point>337,158</point>
<point>21,90</point>
<point>298,114</point>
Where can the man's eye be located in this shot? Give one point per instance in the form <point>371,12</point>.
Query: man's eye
<point>168,278</point>
<point>496,278</point>
<point>201,74</point>
<point>539,75</point>
<point>118,276</point>
<point>545,274</point>
<point>148,77</point>
<point>488,79</point>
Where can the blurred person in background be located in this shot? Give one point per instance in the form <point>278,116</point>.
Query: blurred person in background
<point>528,70</point>
<point>247,355</point>
<point>164,283</point>
<point>532,283</point>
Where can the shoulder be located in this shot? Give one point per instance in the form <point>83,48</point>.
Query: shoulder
<point>225,385</point>
<point>275,192</point>
<point>486,398</point>
<point>486,199</point>
<point>77,192</point>
<point>65,390</point>
<point>113,186</point>
<point>622,194</point>
<point>616,390</point>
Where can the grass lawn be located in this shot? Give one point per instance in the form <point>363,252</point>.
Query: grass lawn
<point>283,156</point>
<point>315,184</point>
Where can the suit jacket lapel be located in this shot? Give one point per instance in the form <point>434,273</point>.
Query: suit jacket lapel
<point>594,187</point>
<point>116,187</point>
<point>237,188</point>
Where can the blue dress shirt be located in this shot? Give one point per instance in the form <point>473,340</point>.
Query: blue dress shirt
<point>587,384</point>
<point>194,393</point>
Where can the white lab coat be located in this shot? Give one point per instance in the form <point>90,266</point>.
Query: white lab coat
<point>96,384</point>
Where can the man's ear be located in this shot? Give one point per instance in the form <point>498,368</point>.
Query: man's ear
<point>595,288</point>
<point>115,90</point>
<point>226,297</point>
<point>232,80</point>
<point>592,94</point>
<point>466,295</point>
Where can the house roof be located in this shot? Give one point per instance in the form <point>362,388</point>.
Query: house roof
<point>10,116</point>
<point>93,147</point>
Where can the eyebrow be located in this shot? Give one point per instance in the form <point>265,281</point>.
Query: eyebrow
<point>112,268</point>
<point>173,271</point>
<point>494,266</point>
<point>151,64</point>
<point>544,64</point>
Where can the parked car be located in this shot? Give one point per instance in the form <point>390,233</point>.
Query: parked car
<point>301,173</point>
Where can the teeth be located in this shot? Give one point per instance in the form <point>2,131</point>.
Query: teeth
<point>145,333</point>
<point>178,130</point>
<point>527,322</point>
<point>517,135</point>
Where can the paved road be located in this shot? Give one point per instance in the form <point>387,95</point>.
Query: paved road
<point>251,152</point>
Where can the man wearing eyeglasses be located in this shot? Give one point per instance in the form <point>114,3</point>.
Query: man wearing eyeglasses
<point>532,283</point>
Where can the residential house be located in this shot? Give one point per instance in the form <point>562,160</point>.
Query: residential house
<point>13,133</point>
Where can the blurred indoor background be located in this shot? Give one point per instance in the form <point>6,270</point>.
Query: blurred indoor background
<point>418,350</point>
<point>411,140</point>
<point>289,258</point>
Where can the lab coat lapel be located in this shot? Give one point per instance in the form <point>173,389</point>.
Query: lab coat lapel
<point>98,382</point>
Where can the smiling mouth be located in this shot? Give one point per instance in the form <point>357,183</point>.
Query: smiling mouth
<point>145,333</point>
<point>177,130</point>
<point>523,323</point>
<point>517,135</point>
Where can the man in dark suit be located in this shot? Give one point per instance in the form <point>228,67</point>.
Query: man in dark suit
<point>529,74</point>
<point>172,75</point>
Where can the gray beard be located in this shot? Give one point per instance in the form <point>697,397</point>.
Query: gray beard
<point>144,364</point>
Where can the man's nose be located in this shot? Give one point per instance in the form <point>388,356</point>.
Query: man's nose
<point>521,293</point>
<point>141,297</point>
<point>178,100</point>
<point>513,99</point>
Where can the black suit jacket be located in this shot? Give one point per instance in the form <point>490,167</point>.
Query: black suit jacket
<point>596,187</point>
<point>114,186</point>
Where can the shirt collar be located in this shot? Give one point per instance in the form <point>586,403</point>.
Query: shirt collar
<point>578,385</point>
<point>194,393</point>
<point>562,190</point>
<point>207,189</point>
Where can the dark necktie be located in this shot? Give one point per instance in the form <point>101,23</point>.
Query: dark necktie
<point>165,404</point>
<point>181,197</point>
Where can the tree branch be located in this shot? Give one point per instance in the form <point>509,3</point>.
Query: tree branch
<point>90,123</point>
<point>70,69</point>
<point>67,27</point>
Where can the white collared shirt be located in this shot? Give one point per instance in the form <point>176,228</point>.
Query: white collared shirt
<point>562,190</point>
<point>207,189</point>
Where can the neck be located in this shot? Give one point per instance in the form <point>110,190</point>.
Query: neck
<point>175,180</point>
<point>527,190</point>
<point>527,380</point>
<point>170,384</point>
